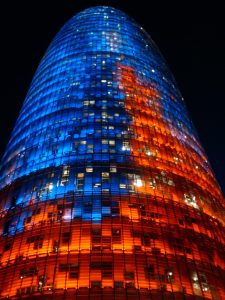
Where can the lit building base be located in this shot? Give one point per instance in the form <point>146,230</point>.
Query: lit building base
<point>149,267</point>
<point>109,294</point>
<point>135,254</point>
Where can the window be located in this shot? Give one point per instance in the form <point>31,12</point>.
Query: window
<point>65,175</point>
<point>34,238</point>
<point>152,183</point>
<point>90,148</point>
<point>68,267</point>
<point>28,272</point>
<point>63,267</point>
<point>88,207</point>
<point>107,274</point>
<point>7,247</point>
<point>30,290</point>
<point>38,244</point>
<point>26,290</point>
<point>36,212</point>
<point>50,215</point>
<point>66,170</point>
<point>74,275</point>
<point>75,146</point>
<point>147,151</point>
<point>104,265</point>
<point>125,146</point>
<point>97,185</point>
<point>123,185</point>
<point>181,222</point>
<point>156,251</point>
<point>145,241</point>
<point>116,232</point>
<point>128,275</point>
<point>137,248</point>
<point>49,187</point>
<point>80,175</point>
<point>169,275</point>
<point>55,246</point>
<point>41,282</point>
<point>118,284</point>
<point>115,210</point>
<point>66,236</point>
<point>149,271</point>
<point>80,181</point>
<point>153,215</point>
<point>202,278</point>
<point>188,250</point>
<point>113,169</point>
<point>135,233</point>
<point>105,177</point>
<point>96,284</point>
<point>129,284</point>
<point>190,199</point>
<point>96,231</point>
<point>27,220</point>
<point>137,181</point>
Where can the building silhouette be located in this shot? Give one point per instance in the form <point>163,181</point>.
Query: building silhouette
<point>106,192</point>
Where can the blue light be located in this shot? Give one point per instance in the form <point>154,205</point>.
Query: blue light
<point>75,110</point>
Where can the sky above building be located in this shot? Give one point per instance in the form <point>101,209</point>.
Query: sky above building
<point>191,39</point>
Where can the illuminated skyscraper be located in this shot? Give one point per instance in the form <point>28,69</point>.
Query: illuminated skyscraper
<point>106,192</point>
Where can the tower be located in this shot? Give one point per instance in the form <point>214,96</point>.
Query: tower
<point>106,191</point>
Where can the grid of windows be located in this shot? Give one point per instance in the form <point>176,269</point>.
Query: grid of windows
<point>104,184</point>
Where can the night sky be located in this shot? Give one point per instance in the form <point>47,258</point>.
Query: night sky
<point>191,38</point>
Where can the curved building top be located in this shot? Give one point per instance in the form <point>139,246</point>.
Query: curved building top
<point>103,94</point>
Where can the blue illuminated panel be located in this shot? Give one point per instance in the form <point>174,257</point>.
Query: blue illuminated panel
<point>74,101</point>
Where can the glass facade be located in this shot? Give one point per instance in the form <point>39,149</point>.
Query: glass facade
<point>105,188</point>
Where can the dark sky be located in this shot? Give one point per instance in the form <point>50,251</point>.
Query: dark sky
<point>191,38</point>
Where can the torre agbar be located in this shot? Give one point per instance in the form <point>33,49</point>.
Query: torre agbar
<point>106,192</point>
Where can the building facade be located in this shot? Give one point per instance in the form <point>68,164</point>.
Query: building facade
<point>106,192</point>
